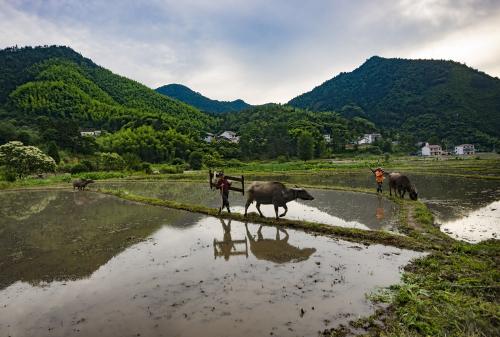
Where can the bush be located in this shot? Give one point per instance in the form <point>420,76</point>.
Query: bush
<point>168,169</point>
<point>196,160</point>
<point>146,167</point>
<point>23,160</point>
<point>111,161</point>
<point>78,168</point>
<point>178,161</point>
<point>212,160</point>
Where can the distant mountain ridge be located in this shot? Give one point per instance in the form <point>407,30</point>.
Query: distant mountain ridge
<point>445,99</point>
<point>186,95</point>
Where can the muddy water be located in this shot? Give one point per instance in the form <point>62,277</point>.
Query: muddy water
<point>457,203</point>
<point>339,208</point>
<point>76,269</point>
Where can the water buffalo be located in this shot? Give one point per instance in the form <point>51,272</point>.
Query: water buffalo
<point>273,192</point>
<point>278,250</point>
<point>402,184</point>
<point>80,184</point>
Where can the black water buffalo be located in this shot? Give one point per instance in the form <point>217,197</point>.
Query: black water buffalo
<point>401,184</point>
<point>80,184</point>
<point>273,192</point>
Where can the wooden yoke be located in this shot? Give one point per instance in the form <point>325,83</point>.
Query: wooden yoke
<point>240,179</point>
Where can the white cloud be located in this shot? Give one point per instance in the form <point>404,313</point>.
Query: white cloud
<point>260,51</point>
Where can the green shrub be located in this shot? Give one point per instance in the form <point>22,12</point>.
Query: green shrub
<point>78,168</point>
<point>196,160</point>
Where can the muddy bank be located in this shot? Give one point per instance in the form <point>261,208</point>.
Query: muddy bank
<point>337,208</point>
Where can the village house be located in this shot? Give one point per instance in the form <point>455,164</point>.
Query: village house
<point>465,149</point>
<point>431,150</point>
<point>369,138</point>
<point>95,133</point>
<point>209,137</point>
<point>328,138</point>
<point>229,136</point>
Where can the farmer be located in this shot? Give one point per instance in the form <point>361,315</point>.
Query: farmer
<point>223,184</point>
<point>379,178</point>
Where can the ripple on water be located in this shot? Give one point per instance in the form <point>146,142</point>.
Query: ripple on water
<point>192,275</point>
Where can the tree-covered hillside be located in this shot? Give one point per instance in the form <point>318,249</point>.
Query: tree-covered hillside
<point>427,98</point>
<point>186,95</point>
<point>49,94</point>
<point>274,130</point>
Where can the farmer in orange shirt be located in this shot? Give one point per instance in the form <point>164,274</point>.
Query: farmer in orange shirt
<point>379,178</point>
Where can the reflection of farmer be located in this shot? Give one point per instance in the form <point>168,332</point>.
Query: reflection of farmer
<point>379,213</point>
<point>227,244</point>
<point>223,184</point>
<point>379,178</point>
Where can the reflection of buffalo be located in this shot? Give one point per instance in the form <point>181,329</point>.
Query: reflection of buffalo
<point>278,250</point>
<point>268,192</point>
<point>80,184</point>
<point>402,184</point>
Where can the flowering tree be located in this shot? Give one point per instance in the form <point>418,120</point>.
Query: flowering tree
<point>24,160</point>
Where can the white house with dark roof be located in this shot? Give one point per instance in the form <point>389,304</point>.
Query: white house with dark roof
<point>229,136</point>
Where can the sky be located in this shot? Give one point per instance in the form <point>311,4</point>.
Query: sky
<point>258,50</point>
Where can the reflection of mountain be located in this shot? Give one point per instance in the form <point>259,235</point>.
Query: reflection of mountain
<point>277,250</point>
<point>73,236</point>
<point>21,209</point>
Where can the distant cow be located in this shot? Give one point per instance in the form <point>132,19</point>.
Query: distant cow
<point>80,184</point>
<point>401,184</point>
<point>272,192</point>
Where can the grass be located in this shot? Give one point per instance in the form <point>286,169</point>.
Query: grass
<point>352,234</point>
<point>453,291</point>
<point>448,293</point>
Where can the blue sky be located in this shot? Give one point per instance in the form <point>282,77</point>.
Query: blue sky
<point>258,50</point>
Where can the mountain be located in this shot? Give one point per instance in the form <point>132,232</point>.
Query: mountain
<point>186,95</point>
<point>428,98</point>
<point>49,94</point>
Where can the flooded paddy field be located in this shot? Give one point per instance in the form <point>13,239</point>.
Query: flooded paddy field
<point>456,202</point>
<point>85,264</point>
<point>338,208</point>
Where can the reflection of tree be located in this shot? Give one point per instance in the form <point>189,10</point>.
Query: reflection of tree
<point>74,236</point>
<point>21,206</point>
<point>277,250</point>
<point>227,246</point>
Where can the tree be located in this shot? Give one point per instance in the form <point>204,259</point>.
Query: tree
<point>195,160</point>
<point>54,152</point>
<point>305,146</point>
<point>23,160</point>
<point>111,162</point>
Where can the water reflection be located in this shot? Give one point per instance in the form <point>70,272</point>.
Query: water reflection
<point>478,225</point>
<point>57,235</point>
<point>228,247</point>
<point>276,250</point>
<point>98,283</point>
<point>338,208</point>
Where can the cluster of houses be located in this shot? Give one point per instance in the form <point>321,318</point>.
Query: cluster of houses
<point>436,150</point>
<point>228,136</point>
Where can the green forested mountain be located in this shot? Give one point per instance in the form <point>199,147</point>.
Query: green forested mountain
<point>273,130</point>
<point>186,95</point>
<point>443,100</point>
<point>50,93</point>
